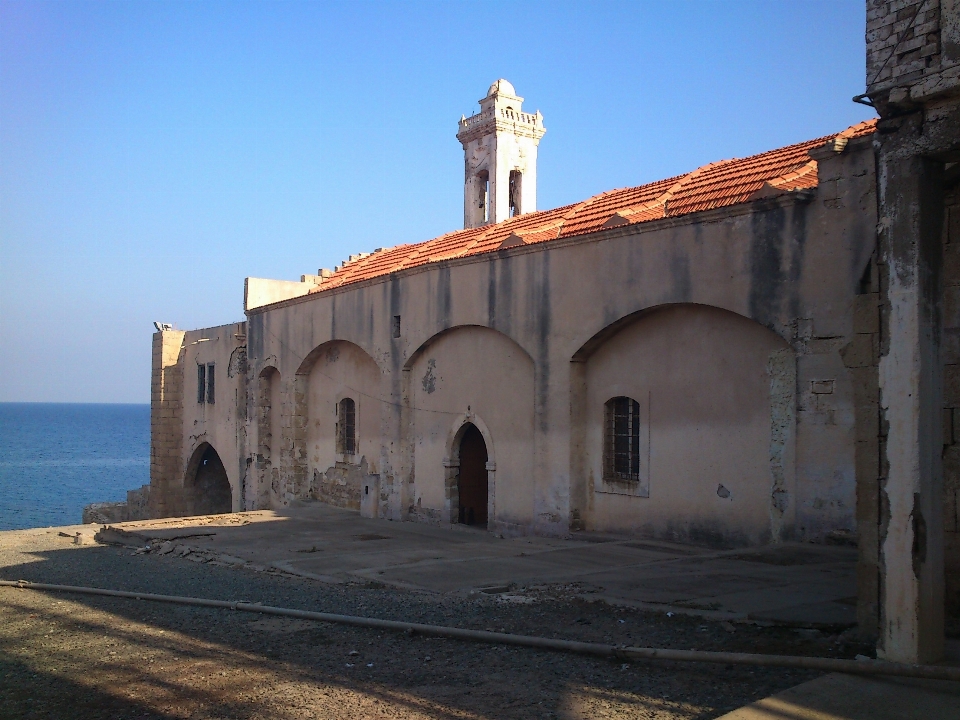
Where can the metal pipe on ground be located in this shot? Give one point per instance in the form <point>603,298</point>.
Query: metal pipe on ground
<point>854,667</point>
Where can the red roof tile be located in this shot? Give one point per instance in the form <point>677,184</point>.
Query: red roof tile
<point>716,185</point>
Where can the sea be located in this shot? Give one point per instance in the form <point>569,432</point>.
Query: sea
<point>57,457</point>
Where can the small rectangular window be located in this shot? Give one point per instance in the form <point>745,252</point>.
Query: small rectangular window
<point>201,383</point>
<point>210,383</point>
<point>396,326</point>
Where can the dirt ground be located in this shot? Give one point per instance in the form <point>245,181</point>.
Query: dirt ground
<point>74,656</point>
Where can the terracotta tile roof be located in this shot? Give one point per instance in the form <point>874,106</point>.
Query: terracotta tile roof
<point>716,185</point>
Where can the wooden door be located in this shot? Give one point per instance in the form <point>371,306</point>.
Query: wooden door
<point>472,484</point>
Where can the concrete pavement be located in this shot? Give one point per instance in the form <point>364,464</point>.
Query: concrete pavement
<point>846,697</point>
<point>797,584</point>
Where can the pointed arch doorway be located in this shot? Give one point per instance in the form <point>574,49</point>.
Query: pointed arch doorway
<point>207,486</point>
<point>472,486</point>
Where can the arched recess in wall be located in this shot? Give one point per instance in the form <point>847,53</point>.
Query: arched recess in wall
<point>336,423</point>
<point>470,375</point>
<point>205,484</point>
<point>683,423</point>
<point>269,405</point>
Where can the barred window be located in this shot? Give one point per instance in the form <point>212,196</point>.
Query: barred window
<point>347,427</point>
<point>201,383</point>
<point>621,453</point>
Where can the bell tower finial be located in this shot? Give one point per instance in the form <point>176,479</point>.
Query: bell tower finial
<point>499,158</point>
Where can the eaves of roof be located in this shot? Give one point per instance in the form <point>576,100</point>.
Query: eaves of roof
<point>716,185</point>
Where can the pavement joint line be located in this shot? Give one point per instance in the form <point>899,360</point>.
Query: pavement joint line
<point>620,652</point>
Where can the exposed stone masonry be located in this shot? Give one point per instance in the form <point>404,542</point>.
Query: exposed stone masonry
<point>903,40</point>
<point>166,406</point>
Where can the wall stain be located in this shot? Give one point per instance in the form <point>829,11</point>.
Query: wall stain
<point>429,380</point>
<point>443,296</point>
<point>255,335</point>
<point>542,294</point>
<point>491,292</point>
<point>680,274</point>
<point>798,223</point>
<point>782,370</point>
<point>766,266</point>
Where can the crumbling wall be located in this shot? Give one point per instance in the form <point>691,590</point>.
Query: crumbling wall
<point>341,484</point>
<point>913,81</point>
<point>137,507</point>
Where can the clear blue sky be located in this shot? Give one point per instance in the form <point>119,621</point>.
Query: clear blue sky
<point>153,154</point>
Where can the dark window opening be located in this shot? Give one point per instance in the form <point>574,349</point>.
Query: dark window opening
<point>515,183</point>
<point>347,427</point>
<point>210,383</point>
<point>396,326</point>
<point>201,383</point>
<point>621,456</point>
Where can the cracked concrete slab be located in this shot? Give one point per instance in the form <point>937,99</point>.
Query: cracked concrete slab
<point>795,584</point>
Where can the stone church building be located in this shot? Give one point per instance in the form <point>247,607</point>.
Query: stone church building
<point>729,357</point>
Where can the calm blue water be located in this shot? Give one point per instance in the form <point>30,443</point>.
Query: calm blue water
<point>55,458</point>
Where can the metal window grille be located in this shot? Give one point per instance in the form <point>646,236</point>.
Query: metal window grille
<point>347,427</point>
<point>201,383</point>
<point>621,457</point>
<point>396,326</point>
<point>211,388</point>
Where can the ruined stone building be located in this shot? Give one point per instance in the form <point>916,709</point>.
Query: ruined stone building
<point>764,349</point>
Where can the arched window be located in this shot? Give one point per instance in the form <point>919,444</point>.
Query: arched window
<point>347,426</point>
<point>621,435</point>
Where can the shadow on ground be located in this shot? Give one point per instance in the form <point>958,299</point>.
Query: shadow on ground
<point>160,660</point>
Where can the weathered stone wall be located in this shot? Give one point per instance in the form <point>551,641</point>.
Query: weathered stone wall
<point>341,485</point>
<point>334,371</point>
<point>267,410</point>
<point>913,52</point>
<point>166,421</point>
<point>913,80</point>
<point>136,507</point>
<point>903,40</point>
<point>861,357</point>
<point>950,354</point>
<point>792,264</point>
<point>180,425</point>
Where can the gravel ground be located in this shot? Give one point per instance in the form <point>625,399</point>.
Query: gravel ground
<point>73,656</point>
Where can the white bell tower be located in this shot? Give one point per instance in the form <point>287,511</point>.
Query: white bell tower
<point>499,158</point>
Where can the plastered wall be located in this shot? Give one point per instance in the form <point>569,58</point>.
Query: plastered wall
<point>708,383</point>
<point>789,266</point>
<point>478,375</point>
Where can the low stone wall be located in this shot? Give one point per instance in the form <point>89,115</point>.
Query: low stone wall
<point>137,507</point>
